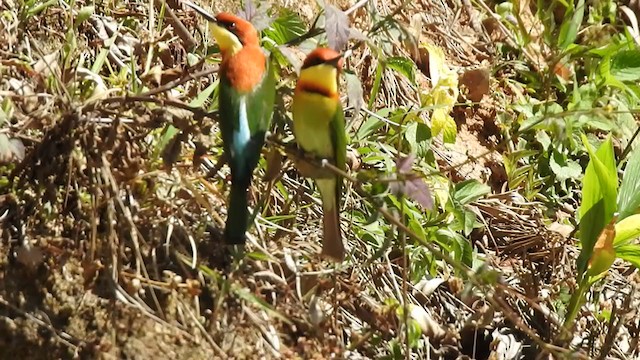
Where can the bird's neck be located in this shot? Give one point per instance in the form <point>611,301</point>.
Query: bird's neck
<point>321,79</point>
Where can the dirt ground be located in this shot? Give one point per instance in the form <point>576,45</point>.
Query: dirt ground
<point>110,243</point>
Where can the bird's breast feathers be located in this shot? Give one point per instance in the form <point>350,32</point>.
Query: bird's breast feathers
<point>313,114</point>
<point>245,70</point>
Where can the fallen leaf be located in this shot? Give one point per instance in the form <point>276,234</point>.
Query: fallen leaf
<point>476,81</point>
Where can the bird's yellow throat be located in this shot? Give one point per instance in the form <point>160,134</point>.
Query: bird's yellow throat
<point>228,42</point>
<point>323,76</point>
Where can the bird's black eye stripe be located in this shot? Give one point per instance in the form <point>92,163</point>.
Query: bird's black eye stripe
<point>229,25</point>
<point>313,62</point>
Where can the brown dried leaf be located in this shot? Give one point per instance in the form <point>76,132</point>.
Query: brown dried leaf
<point>476,82</point>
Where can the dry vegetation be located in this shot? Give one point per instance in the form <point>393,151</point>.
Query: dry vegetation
<point>114,200</point>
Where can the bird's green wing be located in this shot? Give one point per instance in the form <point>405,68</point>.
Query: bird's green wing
<point>339,140</point>
<point>244,119</point>
<point>262,100</point>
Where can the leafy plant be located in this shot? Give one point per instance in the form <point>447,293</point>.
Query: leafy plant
<point>606,223</point>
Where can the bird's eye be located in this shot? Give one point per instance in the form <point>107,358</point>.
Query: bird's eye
<point>232,26</point>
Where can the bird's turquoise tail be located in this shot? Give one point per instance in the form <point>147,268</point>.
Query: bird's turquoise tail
<point>237,215</point>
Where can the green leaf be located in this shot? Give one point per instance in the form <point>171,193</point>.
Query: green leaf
<point>469,222</point>
<point>258,255</point>
<point>599,188</point>
<point>102,56</point>
<point>199,100</point>
<point>462,249</point>
<point>370,126</point>
<point>404,66</point>
<point>563,167</point>
<point>286,27</point>
<point>627,229</point>
<point>418,135</point>
<point>84,14</point>
<point>169,132</point>
<point>469,191</point>
<point>630,253</point>
<point>625,65</point>
<point>442,122</point>
<point>569,30</point>
<point>629,196</point>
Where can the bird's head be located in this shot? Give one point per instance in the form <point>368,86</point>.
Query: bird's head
<point>321,68</point>
<point>231,32</point>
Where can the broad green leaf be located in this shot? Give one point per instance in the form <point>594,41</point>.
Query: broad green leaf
<point>404,66</point>
<point>469,191</point>
<point>168,134</point>
<point>629,196</point>
<point>625,65</point>
<point>599,187</point>
<point>418,135</point>
<point>630,253</point>
<point>286,27</point>
<point>603,254</point>
<point>369,127</point>
<point>469,222</point>
<point>442,122</point>
<point>463,247</point>
<point>627,229</point>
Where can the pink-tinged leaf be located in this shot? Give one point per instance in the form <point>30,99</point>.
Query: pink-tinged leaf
<point>256,15</point>
<point>337,27</point>
<point>413,187</point>
<point>418,190</point>
<point>404,164</point>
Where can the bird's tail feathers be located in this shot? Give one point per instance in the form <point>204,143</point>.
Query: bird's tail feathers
<point>237,215</point>
<point>332,246</point>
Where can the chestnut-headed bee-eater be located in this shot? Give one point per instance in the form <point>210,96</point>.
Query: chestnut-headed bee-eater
<point>246,99</point>
<point>319,129</point>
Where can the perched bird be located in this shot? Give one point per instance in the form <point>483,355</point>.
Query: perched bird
<point>246,99</point>
<point>318,126</point>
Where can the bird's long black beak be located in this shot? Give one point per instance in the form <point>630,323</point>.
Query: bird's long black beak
<point>201,11</point>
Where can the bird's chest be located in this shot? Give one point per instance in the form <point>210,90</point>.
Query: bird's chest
<point>313,115</point>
